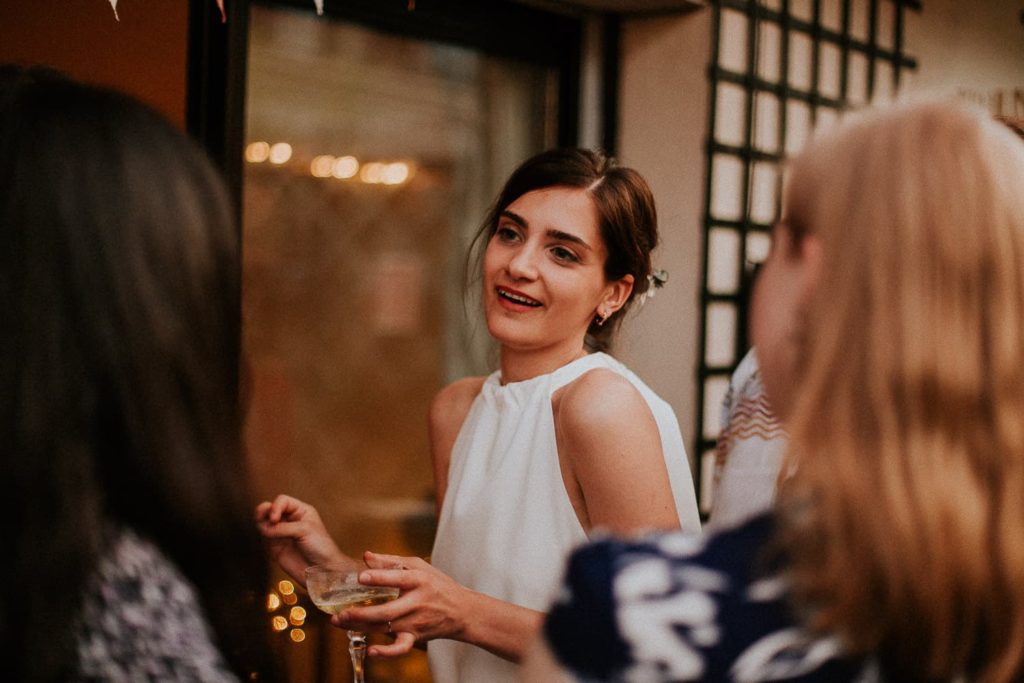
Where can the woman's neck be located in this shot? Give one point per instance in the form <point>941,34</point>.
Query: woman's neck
<point>518,365</point>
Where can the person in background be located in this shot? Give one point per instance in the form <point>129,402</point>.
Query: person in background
<point>130,549</point>
<point>529,461</point>
<point>888,322</point>
<point>748,454</point>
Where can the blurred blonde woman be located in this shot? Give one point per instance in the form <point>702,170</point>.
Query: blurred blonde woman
<point>889,321</point>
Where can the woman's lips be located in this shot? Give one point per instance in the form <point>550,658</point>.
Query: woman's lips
<point>515,299</point>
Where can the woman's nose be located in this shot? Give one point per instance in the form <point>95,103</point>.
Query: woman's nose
<point>523,264</point>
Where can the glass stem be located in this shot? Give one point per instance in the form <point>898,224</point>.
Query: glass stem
<point>357,650</point>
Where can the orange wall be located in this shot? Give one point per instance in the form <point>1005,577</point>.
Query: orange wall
<point>144,54</point>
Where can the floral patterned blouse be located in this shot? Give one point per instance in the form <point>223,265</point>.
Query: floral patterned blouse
<point>141,621</point>
<point>678,607</point>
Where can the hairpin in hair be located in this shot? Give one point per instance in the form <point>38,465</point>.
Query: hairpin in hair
<point>656,279</point>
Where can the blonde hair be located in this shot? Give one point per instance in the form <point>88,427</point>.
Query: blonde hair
<point>904,519</point>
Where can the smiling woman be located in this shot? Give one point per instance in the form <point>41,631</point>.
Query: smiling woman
<point>560,441</point>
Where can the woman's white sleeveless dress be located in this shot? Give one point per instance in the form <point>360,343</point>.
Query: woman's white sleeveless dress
<point>507,525</point>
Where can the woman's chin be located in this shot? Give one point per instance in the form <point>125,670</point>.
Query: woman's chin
<point>515,342</point>
<point>504,327</point>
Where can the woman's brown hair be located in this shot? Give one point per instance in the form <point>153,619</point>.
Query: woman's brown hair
<point>119,292</point>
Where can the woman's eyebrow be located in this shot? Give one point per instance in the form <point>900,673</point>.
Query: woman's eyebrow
<point>568,237</point>
<point>552,233</point>
<point>515,217</point>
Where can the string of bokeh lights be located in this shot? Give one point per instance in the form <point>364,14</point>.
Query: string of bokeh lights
<point>345,167</point>
<point>285,596</point>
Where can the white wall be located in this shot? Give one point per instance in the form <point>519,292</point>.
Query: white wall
<point>977,46</point>
<point>973,48</point>
<point>663,116</point>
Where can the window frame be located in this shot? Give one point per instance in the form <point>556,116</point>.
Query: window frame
<point>747,153</point>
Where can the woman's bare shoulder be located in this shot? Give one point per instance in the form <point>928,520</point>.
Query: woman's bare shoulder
<point>451,404</point>
<point>448,411</point>
<point>599,397</point>
<point>461,392</point>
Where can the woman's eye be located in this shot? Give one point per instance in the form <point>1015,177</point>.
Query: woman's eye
<point>506,234</point>
<point>563,254</point>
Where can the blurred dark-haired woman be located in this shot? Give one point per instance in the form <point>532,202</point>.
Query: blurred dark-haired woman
<point>130,548</point>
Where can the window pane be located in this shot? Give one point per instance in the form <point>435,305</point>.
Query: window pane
<point>727,187</point>
<point>720,336</point>
<point>857,79</point>
<point>860,19</point>
<point>763,183</point>
<point>730,115</point>
<point>769,44</point>
<point>715,389</point>
<point>801,52</point>
<point>733,43</point>
<point>724,261</point>
<point>766,122</point>
<point>830,68</point>
<point>798,125</point>
<point>832,14</point>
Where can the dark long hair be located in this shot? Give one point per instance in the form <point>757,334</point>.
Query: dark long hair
<point>626,216</point>
<point>119,288</point>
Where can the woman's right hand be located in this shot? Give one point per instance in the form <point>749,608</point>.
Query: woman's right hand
<point>430,606</point>
<point>296,537</point>
<point>433,605</point>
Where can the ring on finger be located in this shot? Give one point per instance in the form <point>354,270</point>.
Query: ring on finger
<point>389,627</point>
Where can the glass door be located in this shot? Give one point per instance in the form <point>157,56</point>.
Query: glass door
<point>370,159</point>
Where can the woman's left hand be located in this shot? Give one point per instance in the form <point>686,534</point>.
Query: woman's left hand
<point>431,604</point>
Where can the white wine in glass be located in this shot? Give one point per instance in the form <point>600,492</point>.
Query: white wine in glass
<point>334,590</point>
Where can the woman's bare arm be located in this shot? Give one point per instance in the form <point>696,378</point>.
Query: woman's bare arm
<point>432,605</point>
<point>448,411</point>
<point>540,664</point>
<point>610,449</point>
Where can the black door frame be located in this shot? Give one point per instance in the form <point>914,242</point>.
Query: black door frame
<point>217,55</point>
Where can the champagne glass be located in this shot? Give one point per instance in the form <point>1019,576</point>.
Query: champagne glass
<point>334,590</point>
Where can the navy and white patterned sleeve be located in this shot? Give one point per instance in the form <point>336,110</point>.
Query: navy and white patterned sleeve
<point>581,626</point>
<point>678,607</point>
<point>637,611</point>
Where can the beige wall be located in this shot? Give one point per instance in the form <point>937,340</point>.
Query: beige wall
<point>972,46</point>
<point>663,118</point>
<point>971,49</point>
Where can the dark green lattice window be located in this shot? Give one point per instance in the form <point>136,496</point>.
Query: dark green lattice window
<point>779,70</point>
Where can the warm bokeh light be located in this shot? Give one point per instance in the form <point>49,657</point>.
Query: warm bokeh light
<point>286,587</point>
<point>297,616</point>
<point>345,167</point>
<point>396,173</point>
<point>328,165</point>
<point>372,173</point>
<point>273,602</point>
<point>321,166</point>
<point>257,152</point>
<point>290,599</point>
<point>280,152</point>
<point>298,635</point>
<point>279,623</point>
